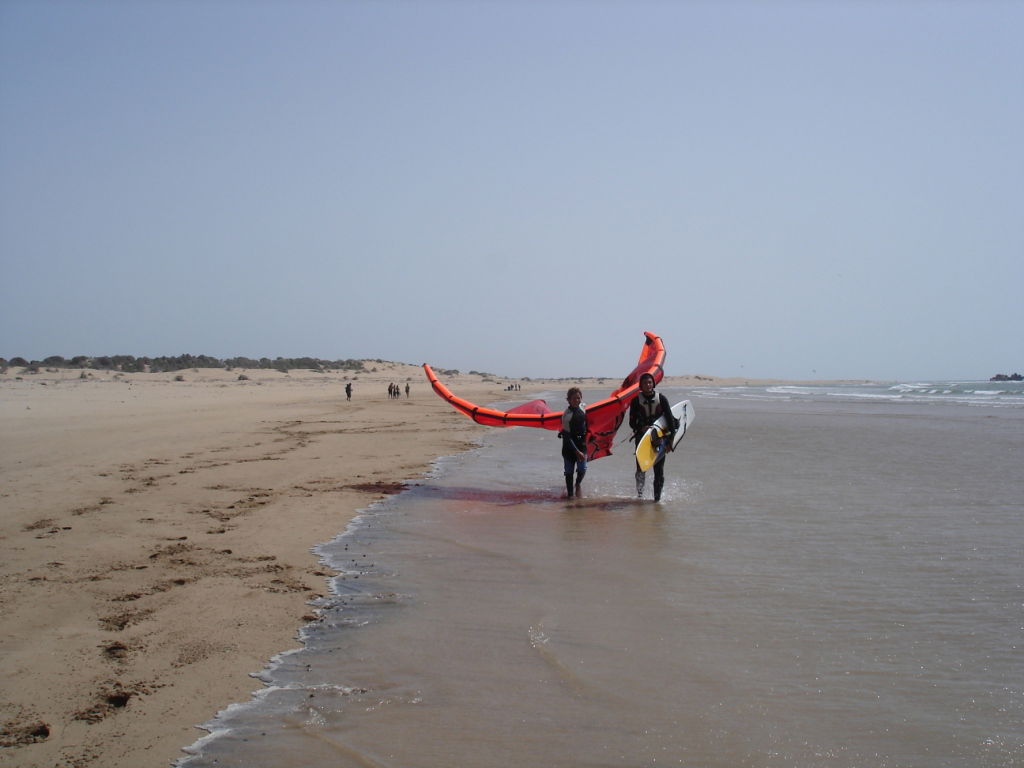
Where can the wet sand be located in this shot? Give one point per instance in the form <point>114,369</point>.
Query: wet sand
<point>157,535</point>
<point>826,583</point>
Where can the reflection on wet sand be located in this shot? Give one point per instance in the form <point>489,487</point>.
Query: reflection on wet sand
<point>779,607</point>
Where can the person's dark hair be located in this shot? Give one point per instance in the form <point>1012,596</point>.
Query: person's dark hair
<point>577,390</point>
<point>647,376</point>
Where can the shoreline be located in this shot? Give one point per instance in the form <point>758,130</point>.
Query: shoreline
<point>159,539</point>
<point>160,535</point>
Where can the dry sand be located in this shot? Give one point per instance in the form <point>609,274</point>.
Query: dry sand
<point>156,537</point>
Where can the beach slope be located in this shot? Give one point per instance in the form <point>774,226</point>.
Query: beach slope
<point>157,533</point>
<point>156,539</point>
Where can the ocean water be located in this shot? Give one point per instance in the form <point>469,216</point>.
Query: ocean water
<point>1009,394</point>
<point>834,577</point>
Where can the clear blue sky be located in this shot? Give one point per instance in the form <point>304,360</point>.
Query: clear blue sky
<point>784,189</point>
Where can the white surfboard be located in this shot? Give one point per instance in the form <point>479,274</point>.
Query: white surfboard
<point>646,453</point>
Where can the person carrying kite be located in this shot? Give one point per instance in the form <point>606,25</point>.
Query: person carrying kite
<point>574,440</point>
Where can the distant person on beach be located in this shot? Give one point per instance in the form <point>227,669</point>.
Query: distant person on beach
<point>407,389</point>
<point>574,441</point>
<point>348,391</point>
<point>644,410</point>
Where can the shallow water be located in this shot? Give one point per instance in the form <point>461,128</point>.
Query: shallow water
<point>827,581</point>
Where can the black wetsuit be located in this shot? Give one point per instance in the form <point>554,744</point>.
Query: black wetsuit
<point>643,412</point>
<point>574,437</point>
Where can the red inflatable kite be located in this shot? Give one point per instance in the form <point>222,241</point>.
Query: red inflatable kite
<point>603,418</point>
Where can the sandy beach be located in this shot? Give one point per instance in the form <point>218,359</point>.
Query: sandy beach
<point>157,535</point>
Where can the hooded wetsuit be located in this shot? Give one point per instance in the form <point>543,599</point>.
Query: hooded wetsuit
<point>574,438</point>
<point>643,412</point>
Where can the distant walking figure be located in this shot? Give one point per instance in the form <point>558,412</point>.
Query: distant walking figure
<point>407,390</point>
<point>348,391</point>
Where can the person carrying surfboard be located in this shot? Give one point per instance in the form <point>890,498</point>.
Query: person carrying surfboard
<point>645,409</point>
<point>574,441</point>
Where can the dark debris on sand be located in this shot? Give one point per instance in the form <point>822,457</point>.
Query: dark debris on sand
<point>379,486</point>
